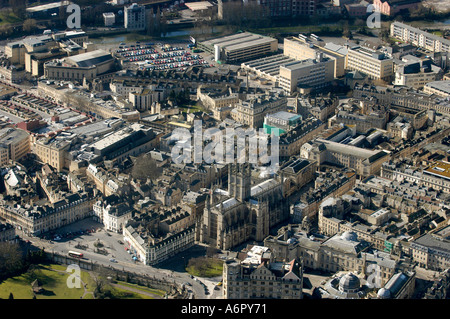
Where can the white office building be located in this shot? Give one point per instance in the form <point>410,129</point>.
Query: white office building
<point>134,17</point>
<point>109,18</point>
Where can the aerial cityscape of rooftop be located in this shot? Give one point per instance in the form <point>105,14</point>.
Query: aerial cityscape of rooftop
<point>225,150</point>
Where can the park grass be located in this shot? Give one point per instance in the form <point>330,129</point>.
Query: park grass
<point>53,279</point>
<point>54,283</point>
<point>7,17</point>
<point>205,267</point>
<point>119,293</point>
<point>157,292</point>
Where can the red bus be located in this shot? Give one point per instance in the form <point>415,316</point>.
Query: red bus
<point>75,254</point>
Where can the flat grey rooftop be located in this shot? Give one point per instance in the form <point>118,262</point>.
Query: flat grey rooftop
<point>433,242</point>
<point>440,85</point>
<point>90,58</point>
<point>239,40</point>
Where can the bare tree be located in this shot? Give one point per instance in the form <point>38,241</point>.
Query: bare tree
<point>145,167</point>
<point>239,15</point>
<point>10,258</point>
<point>18,7</point>
<point>101,281</point>
<point>211,251</point>
<point>29,25</point>
<point>151,24</point>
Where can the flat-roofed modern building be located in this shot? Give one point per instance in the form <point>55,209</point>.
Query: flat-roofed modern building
<point>419,37</point>
<point>239,47</point>
<point>15,51</point>
<point>109,18</point>
<point>440,88</point>
<point>44,47</point>
<point>134,17</point>
<point>199,5</point>
<point>267,67</point>
<point>14,144</point>
<point>416,74</point>
<point>46,10</point>
<point>375,64</point>
<point>301,48</point>
<point>142,100</point>
<point>311,73</point>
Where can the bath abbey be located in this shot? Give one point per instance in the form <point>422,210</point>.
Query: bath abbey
<point>244,211</point>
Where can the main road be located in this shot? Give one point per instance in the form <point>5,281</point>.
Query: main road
<point>172,270</point>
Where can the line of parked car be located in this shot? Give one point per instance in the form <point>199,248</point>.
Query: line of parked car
<point>68,235</point>
<point>175,65</point>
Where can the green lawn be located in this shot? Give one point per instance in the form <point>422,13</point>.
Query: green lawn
<point>205,267</point>
<point>119,293</point>
<point>54,280</point>
<point>8,17</point>
<point>54,283</point>
<point>144,289</point>
<point>197,107</point>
